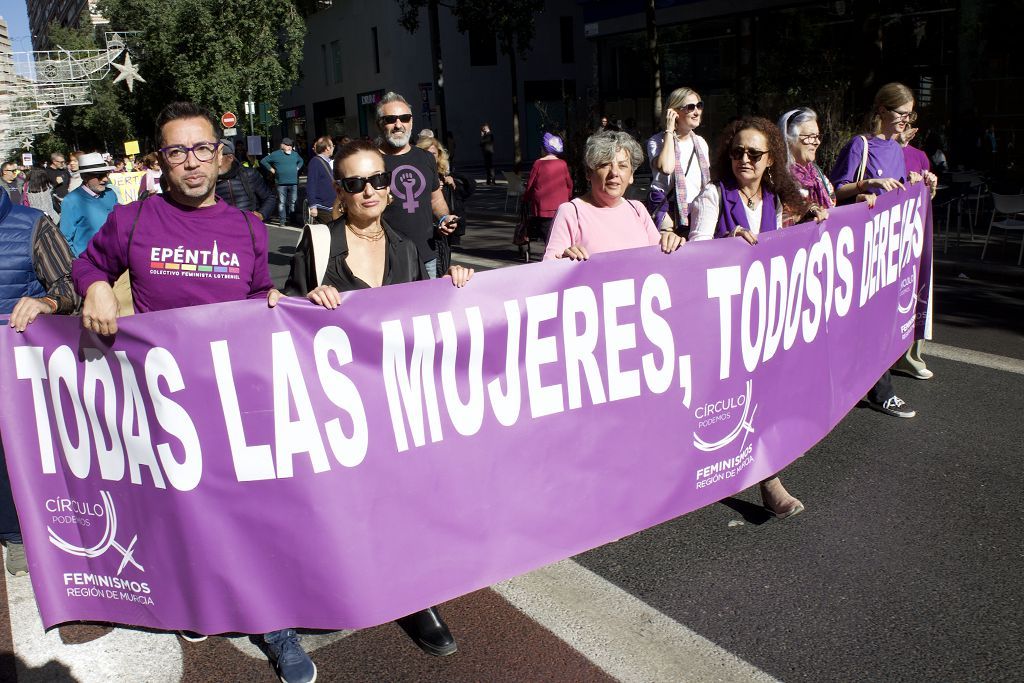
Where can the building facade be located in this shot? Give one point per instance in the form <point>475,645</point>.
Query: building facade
<point>356,51</point>
<point>41,13</point>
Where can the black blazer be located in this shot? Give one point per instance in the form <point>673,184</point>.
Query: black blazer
<point>401,263</point>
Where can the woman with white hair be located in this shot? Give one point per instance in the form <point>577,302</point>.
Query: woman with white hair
<point>680,162</point>
<point>800,129</point>
<point>603,219</point>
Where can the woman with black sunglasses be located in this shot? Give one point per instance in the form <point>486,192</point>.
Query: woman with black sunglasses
<point>751,188</point>
<point>750,185</point>
<point>679,162</point>
<point>363,251</point>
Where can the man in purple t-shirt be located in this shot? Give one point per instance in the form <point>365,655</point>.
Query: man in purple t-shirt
<point>184,247</point>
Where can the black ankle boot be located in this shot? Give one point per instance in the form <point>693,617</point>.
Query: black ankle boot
<point>428,630</point>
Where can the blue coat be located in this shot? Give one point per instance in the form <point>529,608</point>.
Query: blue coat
<point>17,266</point>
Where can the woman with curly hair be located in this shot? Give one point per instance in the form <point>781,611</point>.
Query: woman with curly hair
<point>749,186</point>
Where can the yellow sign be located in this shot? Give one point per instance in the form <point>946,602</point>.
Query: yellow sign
<point>131,147</point>
<point>126,185</point>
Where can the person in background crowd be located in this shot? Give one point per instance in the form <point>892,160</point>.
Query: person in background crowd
<point>487,149</point>
<point>241,187</point>
<point>284,165</point>
<point>12,182</point>
<point>800,130</point>
<point>456,188</point>
<point>937,157</point>
<point>76,175</point>
<point>548,187</point>
<point>60,178</point>
<point>365,252</point>
<point>35,279</point>
<point>38,194</point>
<point>120,165</point>
<point>449,144</point>
<point>151,181</point>
<point>881,169</point>
<point>603,219</point>
<point>680,164</point>
<point>186,214</point>
<point>319,181</point>
<point>87,208</point>
<point>419,211</point>
<point>750,191</point>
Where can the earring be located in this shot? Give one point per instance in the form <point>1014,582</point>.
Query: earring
<point>390,198</point>
<point>768,172</point>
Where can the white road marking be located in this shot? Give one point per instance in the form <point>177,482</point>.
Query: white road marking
<point>623,636</point>
<point>124,654</point>
<point>986,360</point>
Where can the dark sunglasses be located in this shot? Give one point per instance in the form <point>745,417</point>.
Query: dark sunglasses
<point>688,108</point>
<point>390,119</point>
<point>755,155</point>
<point>355,184</point>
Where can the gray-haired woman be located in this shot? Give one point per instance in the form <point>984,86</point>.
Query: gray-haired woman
<point>602,219</point>
<point>680,162</point>
<point>800,129</point>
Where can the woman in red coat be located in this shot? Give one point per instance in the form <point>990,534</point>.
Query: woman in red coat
<point>549,186</point>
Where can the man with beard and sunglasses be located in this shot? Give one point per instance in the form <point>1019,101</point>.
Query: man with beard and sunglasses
<point>418,209</point>
<point>184,247</point>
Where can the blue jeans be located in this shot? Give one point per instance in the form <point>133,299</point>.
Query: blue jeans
<point>431,268</point>
<point>286,194</point>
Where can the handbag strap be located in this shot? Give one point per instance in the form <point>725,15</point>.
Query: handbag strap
<point>863,160</point>
<point>320,238</point>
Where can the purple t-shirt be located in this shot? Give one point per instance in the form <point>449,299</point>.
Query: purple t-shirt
<point>180,256</point>
<point>916,160</point>
<point>885,160</point>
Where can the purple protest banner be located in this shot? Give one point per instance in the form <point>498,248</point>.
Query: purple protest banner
<point>236,468</point>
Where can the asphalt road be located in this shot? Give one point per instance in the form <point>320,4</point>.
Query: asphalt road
<point>906,566</point>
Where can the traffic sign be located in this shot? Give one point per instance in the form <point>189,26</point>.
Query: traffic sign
<point>228,120</point>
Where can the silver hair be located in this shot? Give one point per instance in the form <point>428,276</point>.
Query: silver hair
<point>602,148</point>
<point>789,122</point>
<point>389,97</point>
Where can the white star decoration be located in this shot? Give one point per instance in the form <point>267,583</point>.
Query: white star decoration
<point>50,119</point>
<point>129,73</point>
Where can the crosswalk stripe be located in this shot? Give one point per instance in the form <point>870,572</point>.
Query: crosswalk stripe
<point>622,635</point>
<point>986,360</point>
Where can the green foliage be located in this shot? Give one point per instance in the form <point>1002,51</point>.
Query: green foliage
<point>212,52</point>
<point>511,20</point>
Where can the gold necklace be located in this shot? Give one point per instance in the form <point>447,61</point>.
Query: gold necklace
<point>372,237</point>
<point>750,199</point>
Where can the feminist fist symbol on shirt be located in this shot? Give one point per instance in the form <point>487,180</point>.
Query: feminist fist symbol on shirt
<point>408,183</point>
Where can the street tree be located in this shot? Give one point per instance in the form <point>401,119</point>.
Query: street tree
<point>213,52</point>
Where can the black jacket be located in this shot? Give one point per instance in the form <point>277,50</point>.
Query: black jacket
<point>401,263</point>
<point>243,188</point>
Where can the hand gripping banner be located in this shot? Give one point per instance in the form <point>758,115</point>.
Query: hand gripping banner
<point>238,468</point>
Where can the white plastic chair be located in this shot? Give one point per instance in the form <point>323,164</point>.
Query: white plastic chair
<point>1011,206</point>
<point>514,190</point>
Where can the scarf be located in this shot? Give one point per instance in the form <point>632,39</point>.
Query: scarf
<point>731,213</point>
<point>679,178</point>
<point>811,179</point>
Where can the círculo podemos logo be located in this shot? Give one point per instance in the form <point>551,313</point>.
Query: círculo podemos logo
<point>724,425</point>
<point>84,515</point>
